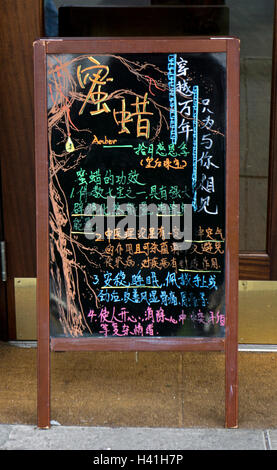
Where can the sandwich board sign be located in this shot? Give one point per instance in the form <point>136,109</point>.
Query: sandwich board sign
<point>137,160</point>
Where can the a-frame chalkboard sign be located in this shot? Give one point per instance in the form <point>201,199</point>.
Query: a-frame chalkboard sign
<point>137,183</point>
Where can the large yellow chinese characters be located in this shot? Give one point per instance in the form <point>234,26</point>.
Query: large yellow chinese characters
<point>97,74</point>
<point>143,124</point>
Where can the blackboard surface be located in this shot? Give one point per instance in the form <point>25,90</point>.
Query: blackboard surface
<point>127,132</point>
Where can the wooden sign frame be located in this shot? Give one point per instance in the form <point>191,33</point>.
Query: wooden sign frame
<point>227,344</point>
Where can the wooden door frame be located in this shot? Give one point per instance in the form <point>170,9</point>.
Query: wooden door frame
<point>21,23</point>
<point>263,265</point>
<point>272,173</point>
<point>3,290</point>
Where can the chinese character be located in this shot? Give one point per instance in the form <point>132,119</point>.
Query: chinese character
<point>97,75</point>
<point>143,124</point>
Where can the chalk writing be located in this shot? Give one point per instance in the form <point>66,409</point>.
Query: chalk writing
<point>97,74</point>
<point>172,97</point>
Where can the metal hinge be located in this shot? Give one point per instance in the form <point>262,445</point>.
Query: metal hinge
<point>3,261</point>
